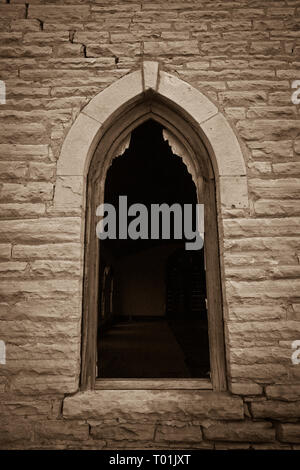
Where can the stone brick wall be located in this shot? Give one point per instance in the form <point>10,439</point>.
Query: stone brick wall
<point>54,57</point>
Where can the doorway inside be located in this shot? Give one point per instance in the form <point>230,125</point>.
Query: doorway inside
<point>152,308</point>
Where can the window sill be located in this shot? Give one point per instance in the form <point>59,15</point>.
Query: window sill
<point>152,405</point>
<point>153,384</point>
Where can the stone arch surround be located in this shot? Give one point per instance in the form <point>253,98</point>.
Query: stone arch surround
<point>197,116</point>
<point>93,121</point>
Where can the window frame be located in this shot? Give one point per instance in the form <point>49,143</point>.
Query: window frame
<point>112,143</point>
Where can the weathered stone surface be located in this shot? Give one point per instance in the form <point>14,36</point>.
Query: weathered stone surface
<point>12,269</point>
<point>69,50</point>
<point>289,433</point>
<point>55,269</point>
<point>115,50</point>
<point>280,189</point>
<point>242,98</point>
<point>276,410</point>
<point>12,11</point>
<point>171,47</point>
<point>54,251</point>
<point>268,129</point>
<point>53,430</point>
<point>261,227</point>
<point>31,383</point>
<point>12,170</point>
<point>283,392</point>
<point>274,289</point>
<point>24,408</point>
<point>178,432</point>
<point>240,432</point>
<point>41,171</point>
<point>25,25</point>
<point>69,190</point>
<point>30,192</point>
<point>38,289</point>
<point>15,151</point>
<point>12,433</point>
<point>291,168</point>
<point>42,309</point>
<point>256,312</point>
<point>152,404</point>
<point>124,431</point>
<point>246,389</point>
<point>49,230</point>
<point>277,207</point>
<point>63,13</point>
<point>21,210</point>
<point>5,251</point>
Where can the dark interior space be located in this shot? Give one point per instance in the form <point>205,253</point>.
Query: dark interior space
<point>152,293</point>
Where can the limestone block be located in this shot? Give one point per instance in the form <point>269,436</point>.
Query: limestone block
<point>265,47</point>
<point>115,50</point>
<point>21,210</point>
<point>5,251</point>
<point>15,431</point>
<point>25,51</point>
<point>29,192</point>
<point>289,433</point>
<point>233,192</point>
<point>257,312</point>
<point>25,133</point>
<point>34,309</point>
<point>12,11</point>
<point>11,408</point>
<point>41,171</point>
<point>12,269</point>
<point>270,129</point>
<point>150,75</point>
<point>267,150</point>
<point>45,384</point>
<point>49,230</point>
<point>242,98</point>
<point>263,373</point>
<point>178,432</point>
<point>55,251</point>
<point>224,146</point>
<point>261,227</point>
<point>69,190</point>
<point>24,152</point>
<point>26,25</point>
<point>114,97</point>
<point>275,188</point>
<point>283,392</point>
<point>158,48</point>
<point>59,430</point>
<point>59,13</point>
<point>291,168</point>
<point>78,146</point>
<point>124,431</point>
<point>187,97</point>
<point>69,50</point>
<point>38,289</point>
<point>274,289</point>
<point>240,432</point>
<point>152,403</point>
<point>275,410</point>
<point>246,388</point>
<point>14,170</point>
<point>54,269</point>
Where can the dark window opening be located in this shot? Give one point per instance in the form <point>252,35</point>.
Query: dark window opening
<point>152,313</point>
